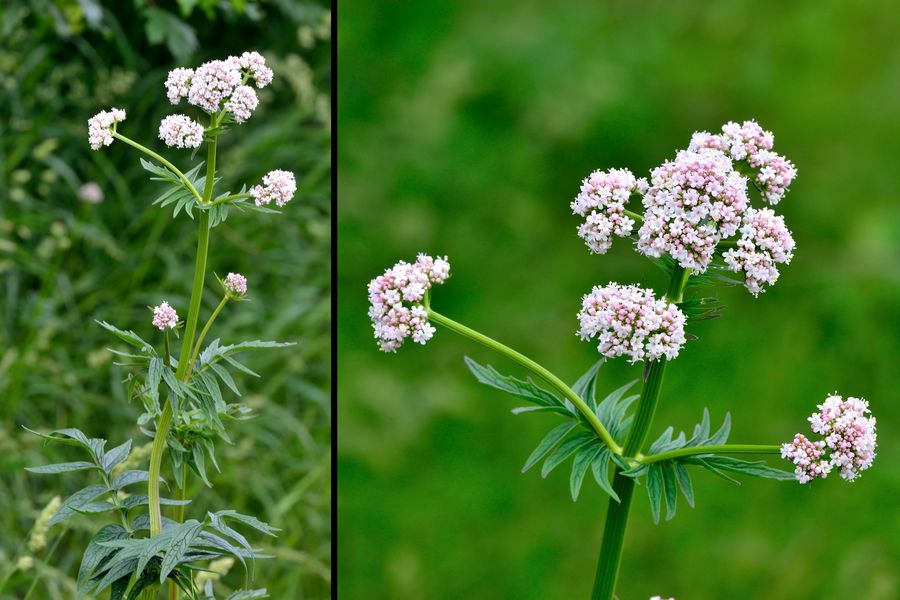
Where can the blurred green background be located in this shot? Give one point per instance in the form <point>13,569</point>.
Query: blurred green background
<point>465,129</point>
<point>71,254</point>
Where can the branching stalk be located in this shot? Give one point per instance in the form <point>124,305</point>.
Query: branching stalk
<point>705,450</point>
<point>535,368</point>
<point>170,166</point>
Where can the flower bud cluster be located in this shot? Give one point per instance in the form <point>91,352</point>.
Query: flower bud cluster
<point>602,202</point>
<point>848,439</point>
<point>396,301</point>
<point>692,203</point>
<point>235,284</point>
<point>101,125</point>
<point>765,242</point>
<point>165,317</point>
<point>631,321</point>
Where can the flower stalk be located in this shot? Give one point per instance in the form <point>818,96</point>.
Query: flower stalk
<point>535,368</point>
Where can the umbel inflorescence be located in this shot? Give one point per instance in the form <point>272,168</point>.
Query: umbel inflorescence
<point>695,202</point>
<point>184,392</point>
<point>706,213</point>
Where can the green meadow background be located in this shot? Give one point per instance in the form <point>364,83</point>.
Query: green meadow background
<point>66,262</point>
<point>465,129</point>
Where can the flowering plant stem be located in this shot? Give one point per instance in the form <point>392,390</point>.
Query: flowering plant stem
<point>704,450</point>
<point>203,333</point>
<point>617,512</point>
<point>535,368</point>
<point>168,165</point>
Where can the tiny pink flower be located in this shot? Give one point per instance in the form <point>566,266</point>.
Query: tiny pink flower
<point>235,283</point>
<point>102,125</point>
<point>765,242</point>
<point>630,321</point>
<point>165,317</point>
<point>396,298</point>
<point>277,185</point>
<point>179,131</point>
<point>242,103</point>
<point>178,84</point>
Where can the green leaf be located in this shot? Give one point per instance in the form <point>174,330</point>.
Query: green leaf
<point>654,490</point>
<point>83,496</point>
<point>526,390</point>
<point>248,594</point>
<point>180,543</point>
<point>670,488</point>
<point>586,385</point>
<point>583,460</point>
<point>115,456</point>
<point>600,468</point>
<point>548,443</point>
<point>565,450</point>
<point>684,482</point>
<point>94,507</point>
<point>95,553</point>
<point>250,521</point>
<point>720,436</point>
<point>154,376</point>
<point>200,463</point>
<point>131,477</point>
<point>129,337</point>
<point>61,468</point>
<point>752,468</point>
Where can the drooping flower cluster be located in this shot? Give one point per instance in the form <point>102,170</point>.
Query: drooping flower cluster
<point>631,321</point>
<point>218,81</point>
<point>236,284</point>
<point>180,131</point>
<point>277,185</point>
<point>396,299</point>
<point>101,125</point>
<point>602,202</point>
<point>165,317</point>
<point>692,203</point>
<point>849,440</point>
<point>765,242</point>
<point>750,143</point>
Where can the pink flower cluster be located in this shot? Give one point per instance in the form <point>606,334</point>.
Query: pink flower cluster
<point>396,299</point>
<point>277,185</point>
<point>692,203</point>
<point>242,103</point>
<point>661,598</point>
<point>101,126</point>
<point>165,317</point>
<point>602,202</point>
<point>236,284</point>
<point>630,321</point>
<point>219,81</point>
<point>750,143</point>
<point>765,242</point>
<point>849,440</point>
<point>180,131</point>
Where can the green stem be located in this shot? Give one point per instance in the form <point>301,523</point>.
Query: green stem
<point>229,197</point>
<point>617,513</point>
<point>165,419</point>
<point>168,352</point>
<point>202,335</point>
<point>535,368</point>
<point>638,218</point>
<point>698,450</point>
<point>156,156</point>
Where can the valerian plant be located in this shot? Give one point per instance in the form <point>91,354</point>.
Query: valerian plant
<point>184,391</point>
<point>698,224</point>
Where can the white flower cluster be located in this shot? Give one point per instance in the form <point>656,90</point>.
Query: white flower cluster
<point>277,185</point>
<point>750,143</point>
<point>692,203</point>
<point>630,321</point>
<point>101,126</point>
<point>765,242</point>
<point>218,81</point>
<point>602,202</point>
<point>849,440</point>
<point>180,131</point>
<point>396,298</point>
